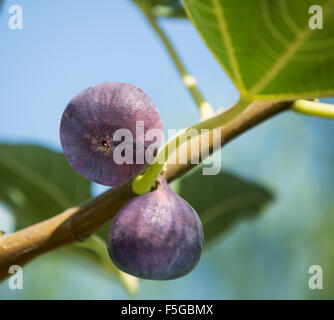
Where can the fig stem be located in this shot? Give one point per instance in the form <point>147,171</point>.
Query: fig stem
<point>314,108</point>
<point>205,108</point>
<point>143,183</point>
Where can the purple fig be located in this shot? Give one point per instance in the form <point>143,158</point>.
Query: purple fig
<point>156,236</point>
<point>90,132</point>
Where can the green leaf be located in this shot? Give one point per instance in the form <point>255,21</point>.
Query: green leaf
<point>221,200</point>
<point>267,47</point>
<point>170,9</point>
<point>37,183</point>
<point>99,250</point>
<point>163,8</point>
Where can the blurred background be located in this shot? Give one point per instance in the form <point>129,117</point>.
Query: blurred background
<point>67,46</point>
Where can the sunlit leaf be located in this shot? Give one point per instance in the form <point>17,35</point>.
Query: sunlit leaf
<point>267,46</point>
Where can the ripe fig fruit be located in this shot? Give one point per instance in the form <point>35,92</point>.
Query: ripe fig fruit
<point>156,236</point>
<point>90,132</point>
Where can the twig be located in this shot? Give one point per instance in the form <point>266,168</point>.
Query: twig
<point>189,81</point>
<point>314,108</point>
<point>78,223</point>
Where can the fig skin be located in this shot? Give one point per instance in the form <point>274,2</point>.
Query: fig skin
<point>156,236</point>
<point>88,125</point>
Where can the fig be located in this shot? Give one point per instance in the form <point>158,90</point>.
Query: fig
<point>91,130</point>
<point>156,236</point>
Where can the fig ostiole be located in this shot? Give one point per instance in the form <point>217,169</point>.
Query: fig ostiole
<point>156,236</point>
<point>93,119</point>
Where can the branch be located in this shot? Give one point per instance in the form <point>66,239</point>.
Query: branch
<point>78,223</point>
